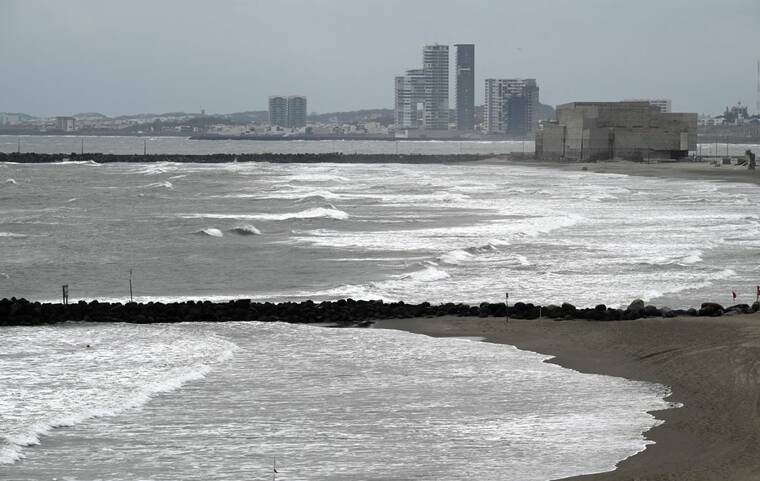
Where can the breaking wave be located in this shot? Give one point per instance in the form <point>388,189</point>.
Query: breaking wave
<point>159,185</point>
<point>245,229</point>
<point>11,182</point>
<point>317,212</point>
<point>211,231</point>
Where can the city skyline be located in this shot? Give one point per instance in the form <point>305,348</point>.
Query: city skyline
<point>83,56</point>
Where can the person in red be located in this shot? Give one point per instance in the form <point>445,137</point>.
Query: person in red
<point>733,293</point>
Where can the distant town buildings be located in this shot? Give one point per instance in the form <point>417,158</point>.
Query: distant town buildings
<point>287,112</point>
<point>9,119</point>
<point>608,130</point>
<point>66,124</point>
<point>465,86</point>
<point>511,106</point>
<point>665,105</point>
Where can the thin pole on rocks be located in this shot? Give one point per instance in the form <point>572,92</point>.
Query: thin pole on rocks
<point>145,146</point>
<point>130,286</point>
<point>506,303</point>
<point>65,292</point>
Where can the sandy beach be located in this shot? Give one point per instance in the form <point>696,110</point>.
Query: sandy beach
<point>711,364</point>
<point>666,169</point>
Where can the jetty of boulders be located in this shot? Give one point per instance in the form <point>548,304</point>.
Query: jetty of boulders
<point>331,157</point>
<point>344,312</point>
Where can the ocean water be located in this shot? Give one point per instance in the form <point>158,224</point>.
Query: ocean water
<point>220,401</point>
<point>435,233</point>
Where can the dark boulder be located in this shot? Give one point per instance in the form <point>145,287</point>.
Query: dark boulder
<point>636,308</point>
<point>711,309</point>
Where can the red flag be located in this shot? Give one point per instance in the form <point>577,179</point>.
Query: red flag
<point>758,290</point>
<point>733,293</point>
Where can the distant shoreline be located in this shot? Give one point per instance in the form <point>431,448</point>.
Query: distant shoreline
<point>709,363</point>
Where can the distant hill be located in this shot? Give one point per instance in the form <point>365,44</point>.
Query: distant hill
<point>22,116</point>
<point>546,112</point>
<point>90,115</point>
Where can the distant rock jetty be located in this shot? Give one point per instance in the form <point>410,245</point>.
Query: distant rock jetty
<point>333,157</point>
<point>344,312</point>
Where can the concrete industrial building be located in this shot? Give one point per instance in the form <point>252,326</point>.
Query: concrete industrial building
<point>66,124</point>
<point>511,106</point>
<point>435,64</point>
<point>465,86</point>
<point>628,130</point>
<point>287,111</point>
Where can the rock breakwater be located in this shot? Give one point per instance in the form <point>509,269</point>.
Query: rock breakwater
<point>344,312</point>
<point>333,157</point>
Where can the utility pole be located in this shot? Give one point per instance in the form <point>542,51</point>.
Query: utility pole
<point>757,106</point>
<point>506,303</point>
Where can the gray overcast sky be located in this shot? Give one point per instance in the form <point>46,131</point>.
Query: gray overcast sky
<point>116,57</point>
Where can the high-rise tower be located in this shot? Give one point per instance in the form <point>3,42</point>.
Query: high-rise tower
<point>465,86</point>
<point>435,64</point>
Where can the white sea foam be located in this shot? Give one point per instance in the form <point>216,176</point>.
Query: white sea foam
<point>317,212</point>
<point>457,257</point>
<point>245,229</point>
<point>122,369</point>
<point>11,234</point>
<point>693,257</point>
<point>10,182</point>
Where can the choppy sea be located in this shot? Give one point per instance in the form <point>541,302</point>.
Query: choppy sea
<point>220,401</point>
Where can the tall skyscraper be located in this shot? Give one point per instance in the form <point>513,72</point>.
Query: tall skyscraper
<point>410,98</point>
<point>435,64</point>
<point>278,111</point>
<point>465,86</point>
<point>296,111</point>
<point>511,106</point>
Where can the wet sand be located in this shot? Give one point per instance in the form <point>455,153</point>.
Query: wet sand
<point>676,170</point>
<point>711,364</point>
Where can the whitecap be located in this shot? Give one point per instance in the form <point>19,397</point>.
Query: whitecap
<point>428,274</point>
<point>11,234</point>
<point>211,231</point>
<point>317,212</point>
<point>159,185</point>
<point>11,182</point>
<point>245,229</point>
<point>457,257</point>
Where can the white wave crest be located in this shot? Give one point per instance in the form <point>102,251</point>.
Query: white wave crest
<point>428,274</point>
<point>317,212</point>
<point>693,257</point>
<point>159,185</point>
<point>457,257</point>
<point>11,182</point>
<point>11,234</point>
<point>245,229</point>
<point>212,232</point>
